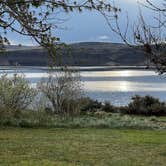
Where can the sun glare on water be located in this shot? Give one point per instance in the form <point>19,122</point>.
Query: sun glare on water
<point>124,86</point>
<point>125,73</point>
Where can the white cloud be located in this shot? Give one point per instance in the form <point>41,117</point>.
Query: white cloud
<point>13,42</point>
<point>103,38</point>
<point>22,42</point>
<point>132,1</point>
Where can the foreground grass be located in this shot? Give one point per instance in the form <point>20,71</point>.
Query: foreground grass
<point>90,146</point>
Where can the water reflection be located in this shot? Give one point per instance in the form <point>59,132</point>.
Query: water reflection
<point>116,86</point>
<point>118,73</point>
<point>123,86</point>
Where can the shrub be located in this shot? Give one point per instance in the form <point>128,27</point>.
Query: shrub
<point>63,90</point>
<point>107,107</point>
<point>147,105</point>
<point>26,124</point>
<point>89,105</point>
<point>15,94</point>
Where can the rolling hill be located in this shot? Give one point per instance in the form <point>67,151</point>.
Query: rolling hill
<point>77,54</point>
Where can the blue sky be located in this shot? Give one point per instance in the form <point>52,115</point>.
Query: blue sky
<point>88,26</point>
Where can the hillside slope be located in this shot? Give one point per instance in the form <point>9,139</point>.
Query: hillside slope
<point>82,54</point>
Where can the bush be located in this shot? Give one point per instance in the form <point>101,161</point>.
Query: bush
<point>15,94</point>
<point>93,107</point>
<point>147,105</point>
<point>63,90</point>
<point>107,107</point>
<point>26,124</point>
<point>89,105</point>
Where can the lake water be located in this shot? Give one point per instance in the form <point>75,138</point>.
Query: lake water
<point>116,86</point>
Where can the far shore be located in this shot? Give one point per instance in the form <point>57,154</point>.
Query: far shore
<point>80,68</point>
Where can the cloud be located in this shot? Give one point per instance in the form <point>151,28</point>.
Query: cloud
<point>22,42</point>
<point>136,1</point>
<point>103,38</point>
<point>133,2</point>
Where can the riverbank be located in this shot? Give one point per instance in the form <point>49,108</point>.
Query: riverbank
<point>68,147</point>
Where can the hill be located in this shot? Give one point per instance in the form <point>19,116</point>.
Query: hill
<point>82,54</point>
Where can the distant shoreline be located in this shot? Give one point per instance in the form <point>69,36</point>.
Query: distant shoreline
<point>79,68</point>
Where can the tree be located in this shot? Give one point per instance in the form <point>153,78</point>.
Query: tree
<point>153,37</point>
<point>15,94</point>
<point>149,38</point>
<point>36,18</point>
<point>63,90</point>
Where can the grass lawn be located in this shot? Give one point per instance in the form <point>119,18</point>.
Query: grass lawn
<point>88,146</point>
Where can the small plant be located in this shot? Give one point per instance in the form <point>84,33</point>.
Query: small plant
<point>101,114</point>
<point>15,94</point>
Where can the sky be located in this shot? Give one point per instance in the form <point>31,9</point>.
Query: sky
<point>89,26</point>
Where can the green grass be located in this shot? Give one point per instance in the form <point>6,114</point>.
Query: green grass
<point>40,119</point>
<point>86,146</point>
